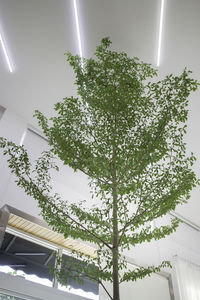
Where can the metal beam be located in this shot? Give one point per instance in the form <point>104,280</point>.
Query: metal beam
<point>49,258</point>
<point>10,243</point>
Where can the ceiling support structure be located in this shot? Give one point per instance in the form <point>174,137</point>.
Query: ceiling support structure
<point>10,243</point>
<point>49,258</point>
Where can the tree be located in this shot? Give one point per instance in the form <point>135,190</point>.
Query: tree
<point>125,132</point>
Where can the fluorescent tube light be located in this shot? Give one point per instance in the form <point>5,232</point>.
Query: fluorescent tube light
<point>160,31</point>
<point>78,28</point>
<point>5,54</point>
<point>23,137</point>
<point>29,253</point>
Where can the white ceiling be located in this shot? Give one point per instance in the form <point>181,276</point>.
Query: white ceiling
<point>38,32</point>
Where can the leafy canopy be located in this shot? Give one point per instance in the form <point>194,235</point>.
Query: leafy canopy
<point>125,132</point>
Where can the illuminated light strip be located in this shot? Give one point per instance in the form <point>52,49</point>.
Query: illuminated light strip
<point>160,32</point>
<point>23,137</point>
<point>6,54</point>
<point>78,28</point>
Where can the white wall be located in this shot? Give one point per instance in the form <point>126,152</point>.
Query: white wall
<point>154,287</point>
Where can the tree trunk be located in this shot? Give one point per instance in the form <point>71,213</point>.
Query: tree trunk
<point>116,295</point>
<point>115,253</point>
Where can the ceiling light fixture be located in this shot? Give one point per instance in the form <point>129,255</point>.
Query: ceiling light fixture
<point>78,28</point>
<point>23,137</point>
<point>5,54</point>
<point>160,31</point>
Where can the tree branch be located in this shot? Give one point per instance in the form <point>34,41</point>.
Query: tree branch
<point>67,215</point>
<point>103,286</point>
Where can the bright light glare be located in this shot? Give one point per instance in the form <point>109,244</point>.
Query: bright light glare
<point>47,282</point>
<point>32,277</point>
<point>78,28</point>
<point>6,269</point>
<point>5,53</point>
<point>160,32</point>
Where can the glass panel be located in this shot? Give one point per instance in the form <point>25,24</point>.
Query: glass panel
<point>82,285</point>
<point>27,259</point>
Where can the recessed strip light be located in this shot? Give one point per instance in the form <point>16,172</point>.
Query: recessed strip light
<point>78,28</point>
<point>29,253</point>
<point>160,31</point>
<point>5,54</point>
<point>23,137</point>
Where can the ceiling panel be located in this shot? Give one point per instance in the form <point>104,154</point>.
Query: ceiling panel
<point>131,25</point>
<point>37,34</point>
<point>181,38</point>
